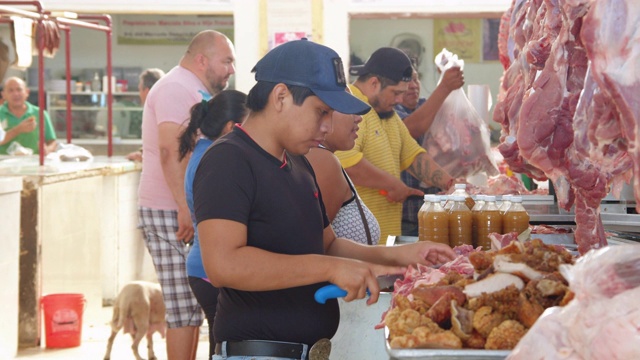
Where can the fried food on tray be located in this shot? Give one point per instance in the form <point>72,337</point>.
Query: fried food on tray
<point>426,338</point>
<point>505,336</point>
<point>479,309</point>
<point>437,340</point>
<point>475,341</point>
<point>485,319</point>
<point>505,301</point>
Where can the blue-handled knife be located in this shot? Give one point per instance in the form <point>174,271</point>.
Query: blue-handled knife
<point>332,291</point>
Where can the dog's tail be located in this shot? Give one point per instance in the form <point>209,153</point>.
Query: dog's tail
<point>117,321</point>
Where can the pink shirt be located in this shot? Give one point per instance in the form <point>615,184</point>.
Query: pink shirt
<point>170,99</point>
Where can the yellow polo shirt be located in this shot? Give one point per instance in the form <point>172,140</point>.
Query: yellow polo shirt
<point>388,145</point>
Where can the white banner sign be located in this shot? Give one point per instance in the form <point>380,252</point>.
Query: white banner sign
<point>169,29</point>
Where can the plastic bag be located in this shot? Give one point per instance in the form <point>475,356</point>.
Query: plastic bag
<point>15,148</point>
<point>603,319</point>
<point>458,140</point>
<point>70,153</point>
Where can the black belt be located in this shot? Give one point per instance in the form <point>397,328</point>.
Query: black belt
<point>263,348</point>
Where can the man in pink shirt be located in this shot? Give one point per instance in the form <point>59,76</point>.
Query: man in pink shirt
<point>204,70</point>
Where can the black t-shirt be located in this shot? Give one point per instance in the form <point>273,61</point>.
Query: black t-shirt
<point>283,211</point>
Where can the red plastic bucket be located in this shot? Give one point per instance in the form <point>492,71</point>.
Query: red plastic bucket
<point>63,319</point>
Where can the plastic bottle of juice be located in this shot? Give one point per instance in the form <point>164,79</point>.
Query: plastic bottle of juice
<point>506,202</point>
<point>474,213</point>
<point>436,222</point>
<point>448,202</point>
<point>461,189</point>
<point>421,213</point>
<point>489,221</point>
<point>516,217</point>
<point>460,223</point>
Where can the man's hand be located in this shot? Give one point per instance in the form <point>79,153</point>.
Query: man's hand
<point>27,125</point>
<point>401,193</point>
<point>452,79</point>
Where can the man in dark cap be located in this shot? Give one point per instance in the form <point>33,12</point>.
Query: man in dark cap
<point>384,147</point>
<point>265,237</point>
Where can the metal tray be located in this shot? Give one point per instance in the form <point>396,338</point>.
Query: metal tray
<point>443,354</point>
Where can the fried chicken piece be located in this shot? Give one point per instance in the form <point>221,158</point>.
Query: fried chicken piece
<point>505,336</point>
<point>426,322</point>
<point>440,312</point>
<point>549,287</point>
<point>402,323</point>
<point>475,341</point>
<point>529,310</point>
<point>404,342</point>
<point>432,294</point>
<point>439,340</point>
<point>451,278</point>
<point>485,319</point>
<point>505,301</point>
<point>481,260</point>
<point>420,306</point>
<point>401,302</point>
<point>567,298</point>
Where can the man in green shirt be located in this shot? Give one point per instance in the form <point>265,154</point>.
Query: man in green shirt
<point>19,119</point>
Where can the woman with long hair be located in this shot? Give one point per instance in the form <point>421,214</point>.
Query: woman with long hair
<point>209,121</point>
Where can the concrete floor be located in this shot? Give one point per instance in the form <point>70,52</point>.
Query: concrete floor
<point>95,334</point>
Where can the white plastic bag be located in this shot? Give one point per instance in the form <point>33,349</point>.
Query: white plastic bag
<point>15,148</point>
<point>458,139</point>
<point>603,319</point>
<point>70,153</point>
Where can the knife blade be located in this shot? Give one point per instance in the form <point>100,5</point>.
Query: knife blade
<point>333,291</point>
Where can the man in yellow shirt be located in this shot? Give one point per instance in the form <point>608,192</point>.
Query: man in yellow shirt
<point>384,147</point>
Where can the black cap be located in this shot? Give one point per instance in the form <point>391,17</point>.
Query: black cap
<point>388,62</point>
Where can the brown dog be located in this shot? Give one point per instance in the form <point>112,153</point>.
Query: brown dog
<point>139,308</point>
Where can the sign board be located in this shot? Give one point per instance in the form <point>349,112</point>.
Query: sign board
<point>169,29</point>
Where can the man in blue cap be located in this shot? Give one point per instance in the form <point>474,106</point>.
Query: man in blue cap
<point>265,238</point>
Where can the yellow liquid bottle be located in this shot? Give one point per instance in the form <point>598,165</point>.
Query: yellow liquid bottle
<point>460,223</point>
<point>516,218</point>
<point>489,221</point>
<point>436,222</point>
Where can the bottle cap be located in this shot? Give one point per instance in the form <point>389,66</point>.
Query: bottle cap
<point>489,198</point>
<point>516,199</point>
<point>461,186</point>
<point>458,198</point>
<point>506,197</point>
<point>481,198</point>
<point>435,198</point>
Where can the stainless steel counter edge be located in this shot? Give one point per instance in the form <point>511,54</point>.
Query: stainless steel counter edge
<point>58,171</point>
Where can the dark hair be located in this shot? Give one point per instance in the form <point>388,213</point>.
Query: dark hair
<point>150,76</point>
<point>384,81</point>
<point>210,118</point>
<point>259,94</point>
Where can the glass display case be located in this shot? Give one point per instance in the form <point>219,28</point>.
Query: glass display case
<point>89,115</point>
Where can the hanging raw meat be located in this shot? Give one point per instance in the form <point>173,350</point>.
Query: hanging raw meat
<point>579,128</point>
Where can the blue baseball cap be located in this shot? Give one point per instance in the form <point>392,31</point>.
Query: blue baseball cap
<point>314,66</point>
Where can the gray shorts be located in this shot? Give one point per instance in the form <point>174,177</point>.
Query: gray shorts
<point>169,258</point>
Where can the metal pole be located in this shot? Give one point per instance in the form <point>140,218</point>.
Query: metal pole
<point>67,38</point>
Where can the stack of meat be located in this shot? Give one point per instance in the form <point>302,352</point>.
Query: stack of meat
<point>568,101</point>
